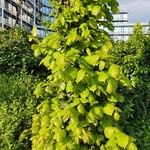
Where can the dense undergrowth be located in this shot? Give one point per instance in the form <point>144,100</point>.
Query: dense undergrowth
<point>17,105</point>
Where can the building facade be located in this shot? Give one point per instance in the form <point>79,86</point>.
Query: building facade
<point>122,28</point>
<point>24,13</point>
<point>29,13</point>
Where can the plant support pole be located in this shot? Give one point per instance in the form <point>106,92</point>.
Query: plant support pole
<point>2,13</point>
<point>34,12</point>
<point>21,16</point>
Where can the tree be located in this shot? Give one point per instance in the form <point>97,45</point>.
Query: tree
<point>81,112</point>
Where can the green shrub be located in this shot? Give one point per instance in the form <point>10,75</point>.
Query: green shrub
<point>134,57</point>
<point>16,53</point>
<point>136,115</point>
<point>17,105</point>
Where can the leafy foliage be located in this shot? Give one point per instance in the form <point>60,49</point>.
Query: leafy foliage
<point>134,57</point>
<point>81,111</point>
<point>15,52</point>
<point>17,105</point>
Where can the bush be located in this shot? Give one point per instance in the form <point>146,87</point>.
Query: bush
<point>16,53</point>
<point>17,105</point>
<point>134,57</point>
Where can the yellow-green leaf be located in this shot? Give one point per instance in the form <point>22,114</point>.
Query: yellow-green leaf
<point>92,60</point>
<point>116,116</point>
<point>93,88</point>
<point>69,87</point>
<point>109,132</point>
<point>114,70</point>
<point>60,59</point>
<point>109,88</point>
<point>132,146</point>
<point>95,10</point>
<point>37,52</point>
<point>122,139</point>
<point>38,91</point>
<point>103,76</point>
<point>80,76</point>
<point>101,65</point>
<point>45,120</point>
<point>62,20</point>
<point>81,108</point>
<point>109,109</point>
<point>85,93</point>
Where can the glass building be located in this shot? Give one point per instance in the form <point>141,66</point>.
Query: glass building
<point>24,13</point>
<point>122,28</point>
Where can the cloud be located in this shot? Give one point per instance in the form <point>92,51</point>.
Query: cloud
<point>139,10</point>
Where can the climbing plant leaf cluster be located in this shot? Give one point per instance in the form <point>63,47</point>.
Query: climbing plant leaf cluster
<point>81,111</point>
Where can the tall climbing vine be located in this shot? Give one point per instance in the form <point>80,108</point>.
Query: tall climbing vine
<point>81,110</point>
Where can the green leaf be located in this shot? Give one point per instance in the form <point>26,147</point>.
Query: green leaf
<point>116,116</point>
<point>111,86</point>
<point>80,76</point>
<point>105,49</point>
<point>125,82</point>
<point>62,20</point>
<point>114,6</point>
<point>98,111</point>
<point>92,60</point>
<point>92,23</point>
<point>72,52</point>
<point>103,76</point>
<point>93,88</point>
<point>38,91</point>
<point>113,144</point>
<point>69,87</point>
<point>109,44</point>
<point>95,10</point>
<point>109,132</point>
<point>45,120</point>
<point>91,98</point>
<point>85,30</point>
<point>101,65</point>
<point>84,100</point>
<point>88,51</point>
<point>114,71</point>
<point>77,5</point>
<point>37,52</point>
<point>46,61</point>
<point>122,139</point>
<point>85,93</point>
<point>72,37</point>
<point>81,108</point>
<point>109,109</point>
<point>54,41</point>
<point>132,146</point>
<point>60,60</point>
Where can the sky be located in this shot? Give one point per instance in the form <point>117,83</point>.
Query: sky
<point>139,10</point>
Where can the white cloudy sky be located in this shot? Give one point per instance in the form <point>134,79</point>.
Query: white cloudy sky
<point>139,10</point>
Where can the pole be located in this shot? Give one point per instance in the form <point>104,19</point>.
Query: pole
<point>21,16</point>
<point>34,15</point>
<point>2,13</point>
